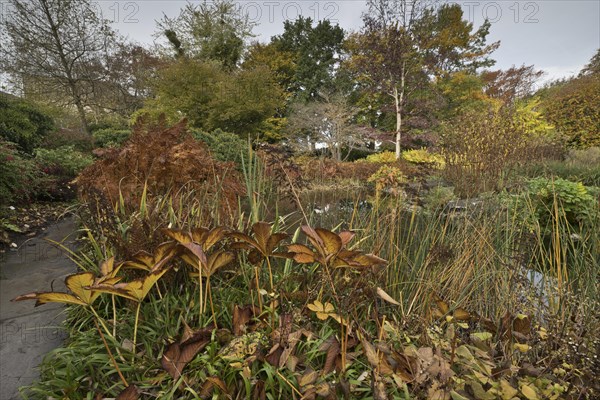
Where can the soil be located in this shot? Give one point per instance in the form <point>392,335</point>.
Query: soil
<point>19,223</point>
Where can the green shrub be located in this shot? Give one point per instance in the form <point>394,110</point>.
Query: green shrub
<point>63,161</point>
<point>438,197</point>
<point>19,175</point>
<point>574,199</point>
<point>110,137</point>
<point>23,124</point>
<point>224,146</point>
<point>59,167</point>
<point>422,156</point>
<point>75,137</point>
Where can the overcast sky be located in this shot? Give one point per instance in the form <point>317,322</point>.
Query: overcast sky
<point>557,36</point>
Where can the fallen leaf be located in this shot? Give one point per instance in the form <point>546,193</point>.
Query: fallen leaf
<point>381,293</point>
<point>130,393</point>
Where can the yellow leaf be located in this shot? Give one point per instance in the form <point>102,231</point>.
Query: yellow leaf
<point>508,392</point>
<point>461,314</point>
<point>332,242</point>
<point>523,348</point>
<point>529,392</point>
<point>316,306</point>
<point>483,335</point>
<point>323,311</point>
<point>43,298</point>
<point>543,334</point>
<point>77,284</point>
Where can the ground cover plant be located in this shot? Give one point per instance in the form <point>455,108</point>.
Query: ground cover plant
<point>450,307</point>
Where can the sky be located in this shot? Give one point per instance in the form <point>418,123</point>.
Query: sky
<point>557,36</point>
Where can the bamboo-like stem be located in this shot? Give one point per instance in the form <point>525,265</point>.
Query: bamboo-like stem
<point>135,328</point>
<point>289,383</point>
<point>112,358</point>
<point>270,273</point>
<point>201,294</point>
<point>212,306</point>
<point>101,322</point>
<point>258,295</point>
<point>114,331</point>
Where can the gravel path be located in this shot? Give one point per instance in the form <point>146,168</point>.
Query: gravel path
<point>28,333</point>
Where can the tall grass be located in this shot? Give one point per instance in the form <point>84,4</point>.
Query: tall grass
<point>484,260</point>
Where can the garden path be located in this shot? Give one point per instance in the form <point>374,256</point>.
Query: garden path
<point>28,333</point>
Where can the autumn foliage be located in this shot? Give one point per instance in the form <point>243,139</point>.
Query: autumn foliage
<point>164,159</point>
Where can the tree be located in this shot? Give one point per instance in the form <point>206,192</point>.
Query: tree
<point>316,52</point>
<point>511,84</point>
<point>463,92</point>
<point>55,47</point>
<point>328,121</point>
<point>404,43</point>
<point>128,73</point>
<point>211,98</point>
<point>282,63</point>
<point>593,67</point>
<point>573,107</point>
<point>209,31</point>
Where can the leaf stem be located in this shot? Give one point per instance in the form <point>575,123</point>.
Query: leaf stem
<point>112,358</point>
<point>135,328</point>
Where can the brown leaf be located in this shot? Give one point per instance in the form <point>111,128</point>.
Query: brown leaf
<point>378,385</point>
<point>460,314</point>
<point>242,316</point>
<point>198,235</point>
<point>209,385</point>
<point>131,392</point>
<point>213,237</point>
<point>308,378</point>
<point>440,368</point>
<point>274,355</point>
<point>179,354</point>
<point>522,325</point>
<point>346,237</point>
<point>323,389</point>
<point>258,392</point>
<point>370,352</point>
<point>441,304</point>
<point>178,235</point>
<point>262,232</point>
<point>197,251</point>
<point>333,351</point>
<point>274,241</point>
<point>301,258</point>
<point>301,253</point>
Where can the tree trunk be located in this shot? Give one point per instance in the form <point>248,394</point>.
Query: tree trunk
<point>81,113</point>
<point>398,123</point>
<point>399,101</point>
